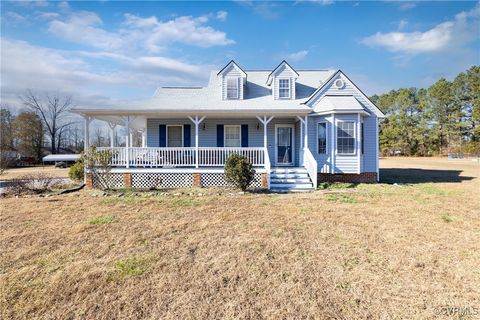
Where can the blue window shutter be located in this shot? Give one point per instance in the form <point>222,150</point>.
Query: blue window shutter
<point>187,135</point>
<point>162,138</point>
<point>244,135</point>
<point>219,135</point>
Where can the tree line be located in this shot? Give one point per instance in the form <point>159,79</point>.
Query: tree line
<point>441,119</point>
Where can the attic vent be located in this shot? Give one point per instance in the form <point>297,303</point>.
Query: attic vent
<point>339,83</point>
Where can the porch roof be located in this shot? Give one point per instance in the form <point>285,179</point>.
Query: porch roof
<point>339,104</point>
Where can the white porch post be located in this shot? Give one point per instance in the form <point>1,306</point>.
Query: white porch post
<point>144,138</point>
<point>358,144</point>
<point>86,139</point>
<point>131,138</point>
<point>112,134</point>
<point>265,121</point>
<point>304,133</point>
<point>127,142</point>
<point>332,144</point>
<point>197,122</point>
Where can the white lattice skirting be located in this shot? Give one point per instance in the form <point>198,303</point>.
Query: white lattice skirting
<point>113,180</point>
<point>158,180</point>
<point>161,180</point>
<point>218,180</point>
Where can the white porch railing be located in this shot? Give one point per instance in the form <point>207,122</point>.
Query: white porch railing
<point>211,157</point>
<point>311,165</point>
<point>181,157</point>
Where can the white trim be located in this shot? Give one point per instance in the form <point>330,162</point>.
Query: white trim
<point>326,137</point>
<point>176,170</point>
<point>224,135</point>
<point>354,137</point>
<point>166,135</point>
<point>333,153</point>
<point>377,148</point>
<point>359,151</point>
<point>322,113</point>
<point>292,126</point>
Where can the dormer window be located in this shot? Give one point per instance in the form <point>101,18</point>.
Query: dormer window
<point>232,88</point>
<point>284,88</point>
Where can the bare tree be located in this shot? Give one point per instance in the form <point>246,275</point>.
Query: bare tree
<point>53,111</point>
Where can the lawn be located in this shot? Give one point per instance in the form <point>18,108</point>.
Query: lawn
<point>400,251</point>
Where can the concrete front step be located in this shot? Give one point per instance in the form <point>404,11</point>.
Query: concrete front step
<point>291,186</point>
<point>288,170</point>
<point>289,176</point>
<point>290,180</point>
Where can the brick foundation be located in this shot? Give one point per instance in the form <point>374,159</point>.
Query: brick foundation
<point>88,180</point>
<point>127,180</point>
<point>197,180</point>
<point>264,181</point>
<point>364,177</point>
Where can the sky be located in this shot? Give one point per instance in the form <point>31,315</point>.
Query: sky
<point>106,52</point>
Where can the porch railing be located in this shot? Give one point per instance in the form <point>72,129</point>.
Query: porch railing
<point>181,157</point>
<point>311,165</point>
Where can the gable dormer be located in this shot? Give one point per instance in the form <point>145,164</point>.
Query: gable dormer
<point>282,80</point>
<point>233,81</point>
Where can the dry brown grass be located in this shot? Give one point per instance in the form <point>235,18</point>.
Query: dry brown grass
<point>387,252</point>
<point>13,173</point>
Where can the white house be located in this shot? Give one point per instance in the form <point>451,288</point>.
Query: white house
<point>297,127</point>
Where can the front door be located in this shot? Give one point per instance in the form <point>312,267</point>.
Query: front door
<point>284,145</point>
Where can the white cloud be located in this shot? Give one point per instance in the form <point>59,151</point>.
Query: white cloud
<point>137,32</point>
<point>407,5</point>
<point>15,18</point>
<point>444,36</point>
<point>222,15</point>
<point>32,3</point>
<point>47,15</point>
<point>402,24</point>
<point>320,2</point>
<point>81,73</point>
<point>268,10</point>
<point>297,56</point>
<point>185,29</point>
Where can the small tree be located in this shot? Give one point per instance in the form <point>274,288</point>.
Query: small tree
<point>76,171</point>
<point>98,164</point>
<point>239,171</point>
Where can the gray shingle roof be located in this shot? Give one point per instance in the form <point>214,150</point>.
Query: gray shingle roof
<point>258,95</point>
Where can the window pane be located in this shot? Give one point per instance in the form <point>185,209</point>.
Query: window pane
<point>232,136</point>
<point>284,88</point>
<point>232,88</point>
<point>322,138</point>
<point>174,136</point>
<point>346,137</point>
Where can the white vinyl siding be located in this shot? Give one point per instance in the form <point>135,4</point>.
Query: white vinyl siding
<point>284,88</point>
<point>232,88</point>
<point>346,137</point>
<point>322,137</point>
<point>232,73</point>
<point>232,136</point>
<point>174,136</point>
<point>283,73</point>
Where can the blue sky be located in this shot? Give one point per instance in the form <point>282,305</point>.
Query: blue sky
<point>103,52</point>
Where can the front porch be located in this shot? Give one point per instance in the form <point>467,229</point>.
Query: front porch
<point>194,149</point>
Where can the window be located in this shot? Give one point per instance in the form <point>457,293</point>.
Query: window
<point>361,135</point>
<point>174,136</point>
<point>346,137</point>
<point>232,88</point>
<point>284,88</point>
<point>232,136</point>
<point>322,137</point>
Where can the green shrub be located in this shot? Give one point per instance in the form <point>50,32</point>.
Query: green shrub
<point>239,171</point>
<point>76,171</point>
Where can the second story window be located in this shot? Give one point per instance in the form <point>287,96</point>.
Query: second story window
<point>284,88</point>
<point>232,88</point>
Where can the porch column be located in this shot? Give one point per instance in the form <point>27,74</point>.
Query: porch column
<point>86,137</point>
<point>144,138</point>
<point>265,121</point>
<point>304,132</point>
<point>197,122</point>
<point>112,134</point>
<point>131,138</point>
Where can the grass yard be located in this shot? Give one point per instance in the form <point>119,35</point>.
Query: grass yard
<point>49,170</point>
<point>350,252</point>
